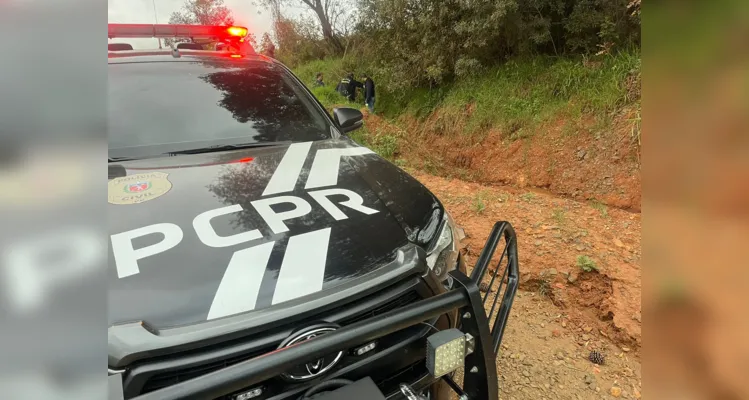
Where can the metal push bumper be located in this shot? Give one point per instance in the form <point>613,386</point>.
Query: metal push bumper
<point>480,377</point>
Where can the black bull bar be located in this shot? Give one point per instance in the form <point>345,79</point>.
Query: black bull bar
<point>480,377</point>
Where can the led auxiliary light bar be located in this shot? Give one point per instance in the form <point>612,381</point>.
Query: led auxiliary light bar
<point>447,350</point>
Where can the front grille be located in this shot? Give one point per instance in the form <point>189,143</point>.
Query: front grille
<point>400,301</point>
<point>171,377</point>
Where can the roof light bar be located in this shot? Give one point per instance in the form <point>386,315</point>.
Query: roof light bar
<point>217,32</point>
<point>238,31</point>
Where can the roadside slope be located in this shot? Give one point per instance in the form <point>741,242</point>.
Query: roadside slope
<point>568,126</point>
<point>558,239</point>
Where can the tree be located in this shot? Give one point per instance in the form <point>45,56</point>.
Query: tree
<point>200,12</point>
<point>328,12</point>
<point>267,47</point>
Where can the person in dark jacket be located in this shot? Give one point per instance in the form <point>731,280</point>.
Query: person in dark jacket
<point>318,80</point>
<point>369,92</point>
<point>347,87</point>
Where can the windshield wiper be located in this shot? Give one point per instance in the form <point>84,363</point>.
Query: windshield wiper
<point>225,147</point>
<point>118,159</point>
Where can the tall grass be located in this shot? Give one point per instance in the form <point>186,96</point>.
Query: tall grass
<point>519,93</point>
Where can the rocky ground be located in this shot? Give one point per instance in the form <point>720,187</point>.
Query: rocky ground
<point>579,292</point>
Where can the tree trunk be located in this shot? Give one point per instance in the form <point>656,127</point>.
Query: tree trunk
<point>327,28</point>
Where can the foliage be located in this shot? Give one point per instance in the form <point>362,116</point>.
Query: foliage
<point>514,97</point>
<point>200,12</point>
<point>600,207</point>
<point>479,206</point>
<point>331,15</point>
<point>586,264</point>
<point>298,41</point>
<point>422,43</point>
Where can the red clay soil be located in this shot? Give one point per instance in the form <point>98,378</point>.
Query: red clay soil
<point>570,159</point>
<point>552,233</point>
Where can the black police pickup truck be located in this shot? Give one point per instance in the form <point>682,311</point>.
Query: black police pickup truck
<point>257,252</point>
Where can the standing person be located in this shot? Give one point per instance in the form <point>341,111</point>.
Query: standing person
<point>369,92</point>
<point>343,85</point>
<point>318,80</point>
<point>347,87</point>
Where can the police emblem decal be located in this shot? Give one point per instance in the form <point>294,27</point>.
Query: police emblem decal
<point>138,188</point>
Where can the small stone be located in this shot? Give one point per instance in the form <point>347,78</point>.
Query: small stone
<point>625,349</point>
<point>589,379</point>
<point>547,386</point>
<point>556,333</point>
<point>598,389</point>
<point>526,374</point>
<point>572,277</point>
<point>558,363</point>
<point>616,391</point>
<point>538,243</point>
<point>587,329</point>
<point>564,324</point>
<point>586,338</point>
<point>637,394</point>
<point>543,325</point>
<point>560,356</point>
<point>618,243</point>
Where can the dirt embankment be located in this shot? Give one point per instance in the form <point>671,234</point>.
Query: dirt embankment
<point>562,312</point>
<point>585,259</point>
<point>580,159</point>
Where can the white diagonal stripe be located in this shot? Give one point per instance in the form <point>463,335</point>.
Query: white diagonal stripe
<point>324,171</point>
<point>303,267</point>
<point>286,174</point>
<point>239,288</point>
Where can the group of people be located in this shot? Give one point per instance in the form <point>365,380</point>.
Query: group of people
<point>348,85</point>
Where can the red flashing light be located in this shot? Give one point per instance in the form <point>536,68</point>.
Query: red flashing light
<point>243,160</point>
<point>235,56</point>
<point>237,31</point>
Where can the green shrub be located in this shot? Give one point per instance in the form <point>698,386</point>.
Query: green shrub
<point>586,264</point>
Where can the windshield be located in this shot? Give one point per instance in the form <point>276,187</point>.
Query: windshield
<point>160,107</point>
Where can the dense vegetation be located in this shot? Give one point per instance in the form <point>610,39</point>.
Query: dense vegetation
<point>514,63</point>
<point>423,43</point>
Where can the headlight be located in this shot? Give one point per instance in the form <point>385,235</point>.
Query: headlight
<point>443,255</point>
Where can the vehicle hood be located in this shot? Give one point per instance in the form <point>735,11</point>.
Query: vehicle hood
<point>264,238</point>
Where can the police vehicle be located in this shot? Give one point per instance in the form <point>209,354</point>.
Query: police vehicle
<point>257,252</point>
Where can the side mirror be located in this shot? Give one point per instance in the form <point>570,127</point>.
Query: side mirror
<point>349,119</point>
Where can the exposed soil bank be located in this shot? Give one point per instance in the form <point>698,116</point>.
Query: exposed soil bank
<point>570,158</point>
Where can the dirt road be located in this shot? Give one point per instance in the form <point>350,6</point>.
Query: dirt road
<point>561,312</point>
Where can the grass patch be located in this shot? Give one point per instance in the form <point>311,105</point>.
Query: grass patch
<point>559,215</point>
<point>384,145</point>
<point>544,288</point>
<point>600,207</point>
<point>527,197</point>
<point>515,97</point>
<point>479,206</point>
<point>586,264</point>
